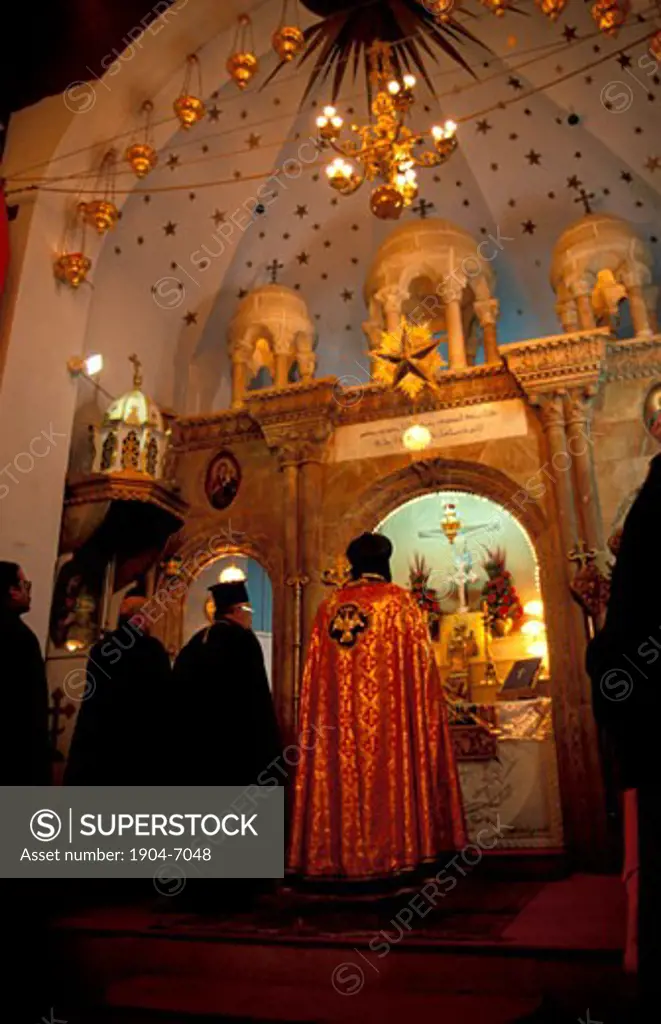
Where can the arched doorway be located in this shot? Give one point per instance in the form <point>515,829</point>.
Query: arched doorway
<point>505,747</point>
<point>261,599</point>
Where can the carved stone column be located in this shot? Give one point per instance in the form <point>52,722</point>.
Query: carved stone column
<point>548,371</point>
<point>288,458</point>
<point>487,311</point>
<point>582,295</point>
<point>568,315</point>
<point>452,293</point>
<point>578,414</point>
<point>240,357</point>
<point>297,427</point>
<point>579,765</point>
<point>391,303</point>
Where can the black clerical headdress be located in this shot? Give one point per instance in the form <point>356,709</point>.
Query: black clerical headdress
<point>226,595</point>
<point>370,553</point>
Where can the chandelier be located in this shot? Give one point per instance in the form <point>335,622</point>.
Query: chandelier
<point>387,147</point>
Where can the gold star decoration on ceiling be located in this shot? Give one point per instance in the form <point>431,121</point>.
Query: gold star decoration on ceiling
<point>408,360</point>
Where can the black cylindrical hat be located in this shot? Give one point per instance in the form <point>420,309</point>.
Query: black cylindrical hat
<point>370,553</point>
<point>225,595</point>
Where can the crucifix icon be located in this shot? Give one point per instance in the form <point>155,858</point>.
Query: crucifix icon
<point>422,207</point>
<point>582,555</point>
<point>273,269</point>
<point>137,371</point>
<point>585,197</point>
<point>56,711</point>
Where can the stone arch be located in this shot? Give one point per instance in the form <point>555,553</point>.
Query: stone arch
<point>200,549</point>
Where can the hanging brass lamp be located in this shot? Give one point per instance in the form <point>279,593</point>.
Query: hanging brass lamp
<point>188,107</point>
<point>242,63</point>
<point>141,155</point>
<point>101,212</point>
<point>288,40</point>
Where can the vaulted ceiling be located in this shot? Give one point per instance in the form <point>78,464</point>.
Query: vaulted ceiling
<point>556,112</point>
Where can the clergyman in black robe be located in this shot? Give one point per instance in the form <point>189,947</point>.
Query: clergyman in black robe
<point>624,663</point>
<point>227,732</point>
<point>121,736</point>
<point>26,754</point>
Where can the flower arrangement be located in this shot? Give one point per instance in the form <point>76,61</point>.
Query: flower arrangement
<point>425,596</point>
<point>503,605</point>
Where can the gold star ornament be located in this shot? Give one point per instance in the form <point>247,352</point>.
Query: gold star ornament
<point>408,360</point>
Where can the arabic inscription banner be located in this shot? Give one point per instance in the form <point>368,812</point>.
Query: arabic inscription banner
<point>448,428</point>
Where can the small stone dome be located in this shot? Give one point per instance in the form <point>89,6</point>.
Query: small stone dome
<point>598,241</point>
<point>271,329</point>
<point>432,248</point>
<point>598,262</point>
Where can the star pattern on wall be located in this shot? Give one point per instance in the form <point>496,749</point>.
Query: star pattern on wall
<point>327,242</point>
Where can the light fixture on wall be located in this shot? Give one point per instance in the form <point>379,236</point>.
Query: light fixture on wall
<point>87,366</point>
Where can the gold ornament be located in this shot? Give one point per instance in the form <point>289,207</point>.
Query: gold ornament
<point>288,40</point>
<point>552,8</point>
<point>72,268</point>
<point>610,15</point>
<point>655,46</point>
<point>189,108</point>
<point>450,523</point>
<point>141,156</point>
<point>242,63</point>
<point>408,360</point>
<point>386,202</point>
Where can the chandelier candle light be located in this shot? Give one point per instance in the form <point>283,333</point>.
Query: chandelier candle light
<point>387,147</point>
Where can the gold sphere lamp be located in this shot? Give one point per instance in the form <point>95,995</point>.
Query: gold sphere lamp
<point>655,46</point>
<point>386,202</point>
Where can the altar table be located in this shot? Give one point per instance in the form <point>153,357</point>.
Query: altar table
<point>512,777</point>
